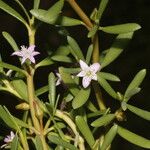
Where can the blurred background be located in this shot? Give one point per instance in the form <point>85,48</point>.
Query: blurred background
<point>135,57</point>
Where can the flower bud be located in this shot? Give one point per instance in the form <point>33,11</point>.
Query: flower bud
<point>23,106</point>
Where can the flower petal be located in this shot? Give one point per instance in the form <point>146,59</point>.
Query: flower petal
<point>32,59</point>
<point>35,53</point>
<point>94,77</point>
<point>95,67</point>
<point>31,48</point>
<point>18,53</point>
<point>86,81</point>
<point>23,60</point>
<point>83,65</point>
<point>81,74</point>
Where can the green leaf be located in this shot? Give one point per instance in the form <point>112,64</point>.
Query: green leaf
<point>21,88</point>
<point>58,141</point>
<point>51,15</point>
<point>38,143</point>
<point>116,49</point>
<point>81,98</point>
<point>101,9</point>
<point>8,66</point>
<point>41,90</point>
<point>36,4</point>
<point>95,114</point>
<point>62,50</point>
<point>136,82</point>
<point>107,87</point>
<point>75,49</point>
<point>89,54</point>
<point>8,118</point>
<point>68,98</point>
<point>10,40</point>
<point>130,93</point>
<point>12,12</point>
<point>21,123</point>
<point>133,138</point>
<point>109,137</point>
<point>14,144</point>
<point>71,70</point>
<point>108,76</point>
<point>102,121</point>
<point>86,132</point>
<point>140,112</point>
<point>45,62</point>
<point>120,29</point>
<point>91,106</point>
<point>61,58</point>
<point>67,79</point>
<point>67,21</point>
<point>52,89</point>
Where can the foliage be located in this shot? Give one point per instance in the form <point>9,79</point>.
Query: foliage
<point>68,118</point>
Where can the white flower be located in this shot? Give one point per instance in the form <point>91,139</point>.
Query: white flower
<point>27,53</point>
<point>59,80</point>
<point>8,139</point>
<point>88,72</point>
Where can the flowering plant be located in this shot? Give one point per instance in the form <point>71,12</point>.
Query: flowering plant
<point>74,112</point>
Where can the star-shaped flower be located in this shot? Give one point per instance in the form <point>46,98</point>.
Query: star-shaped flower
<point>88,72</point>
<point>26,53</point>
<point>8,139</point>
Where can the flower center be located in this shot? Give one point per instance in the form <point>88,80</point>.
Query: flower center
<point>88,73</point>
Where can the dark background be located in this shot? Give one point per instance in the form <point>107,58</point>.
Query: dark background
<point>134,58</point>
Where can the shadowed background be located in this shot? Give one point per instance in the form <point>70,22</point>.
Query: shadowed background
<point>135,57</point>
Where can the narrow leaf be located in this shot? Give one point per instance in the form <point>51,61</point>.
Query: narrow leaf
<point>75,49</point>
<point>89,54</point>
<point>102,121</point>
<point>45,62</point>
<point>135,83</point>
<point>101,9</point>
<point>86,132</point>
<point>133,138</point>
<point>130,93</point>
<point>107,87</point>
<point>51,15</point>
<point>122,28</point>
<point>42,90</point>
<point>38,143</point>
<point>52,89</point>
<point>7,118</point>
<point>58,141</point>
<point>8,66</point>
<point>140,112</point>
<point>61,58</point>
<point>36,4</point>
<point>117,47</point>
<point>109,137</point>
<point>93,31</point>
<point>62,50</point>
<point>10,40</point>
<point>12,12</point>
<point>67,21</point>
<point>81,98</point>
<point>14,144</point>
<point>21,88</point>
<point>108,76</point>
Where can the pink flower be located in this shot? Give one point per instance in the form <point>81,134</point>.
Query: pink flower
<point>59,80</point>
<point>8,139</point>
<point>88,72</point>
<point>26,53</point>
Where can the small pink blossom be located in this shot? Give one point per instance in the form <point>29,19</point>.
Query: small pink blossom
<point>8,139</point>
<point>59,80</point>
<point>26,53</point>
<point>88,72</point>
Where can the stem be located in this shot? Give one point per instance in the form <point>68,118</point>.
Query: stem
<point>31,95</point>
<point>23,141</point>
<point>80,13</point>
<point>71,124</point>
